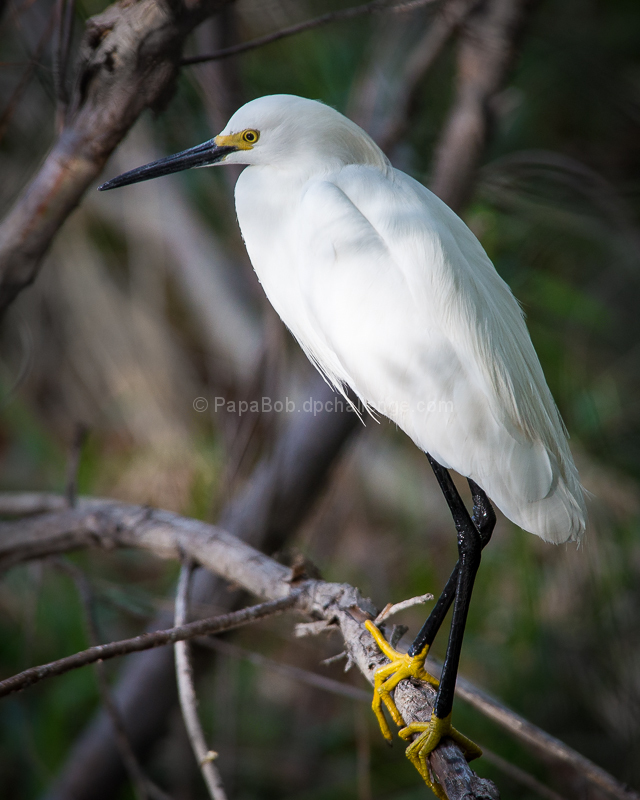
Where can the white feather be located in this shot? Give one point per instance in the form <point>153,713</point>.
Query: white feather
<point>389,292</point>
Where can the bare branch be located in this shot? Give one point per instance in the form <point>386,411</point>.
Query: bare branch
<point>129,60</point>
<point>169,535</point>
<point>146,641</point>
<point>344,605</point>
<point>418,63</point>
<point>376,6</point>
<point>110,524</point>
<point>486,51</point>
<point>341,689</point>
<point>187,693</point>
<point>268,509</point>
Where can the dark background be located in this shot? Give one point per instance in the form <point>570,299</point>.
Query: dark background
<point>147,301</point>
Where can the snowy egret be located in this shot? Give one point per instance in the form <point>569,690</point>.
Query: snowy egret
<point>389,293</point>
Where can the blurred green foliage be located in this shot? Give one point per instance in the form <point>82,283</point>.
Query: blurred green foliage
<point>553,632</point>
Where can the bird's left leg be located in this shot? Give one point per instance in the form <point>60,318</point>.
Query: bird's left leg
<point>471,540</point>
<point>484,519</point>
<point>411,664</point>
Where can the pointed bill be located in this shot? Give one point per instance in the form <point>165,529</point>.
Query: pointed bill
<point>202,155</point>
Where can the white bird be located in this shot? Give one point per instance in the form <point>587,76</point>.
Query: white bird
<point>389,293</point>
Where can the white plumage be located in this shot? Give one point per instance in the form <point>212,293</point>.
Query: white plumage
<point>388,291</point>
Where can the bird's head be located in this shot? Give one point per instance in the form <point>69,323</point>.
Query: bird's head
<point>277,130</point>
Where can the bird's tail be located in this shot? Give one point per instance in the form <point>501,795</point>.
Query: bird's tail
<point>559,515</point>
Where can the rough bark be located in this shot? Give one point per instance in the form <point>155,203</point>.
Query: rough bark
<point>107,524</point>
<point>129,60</point>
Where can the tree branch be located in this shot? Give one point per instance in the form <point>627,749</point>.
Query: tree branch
<point>110,524</point>
<point>325,684</point>
<point>547,746</point>
<point>129,61</point>
<point>146,641</point>
<point>280,493</point>
<point>374,7</point>
<point>418,63</point>
<point>486,52</point>
<point>187,693</point>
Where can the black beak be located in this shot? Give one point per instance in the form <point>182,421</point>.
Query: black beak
<point>202,155</point>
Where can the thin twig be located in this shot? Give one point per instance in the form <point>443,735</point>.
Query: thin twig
<point>394,608</point>
<point>326,662</point>
<point>146,641</point>
<point>373,7</point>
<point>520,775</point>
<point>542,742</point>
<point>187,693</point>
<point>289,671</point>
<point>143,786</point>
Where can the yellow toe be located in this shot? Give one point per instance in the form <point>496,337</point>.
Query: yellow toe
<point>388,676</point>
<point>429,736</point>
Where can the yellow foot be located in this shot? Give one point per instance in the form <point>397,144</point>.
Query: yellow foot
<point>387,677</point>
<point>423,745</point>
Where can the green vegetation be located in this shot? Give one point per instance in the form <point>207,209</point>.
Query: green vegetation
<point>111,336</point>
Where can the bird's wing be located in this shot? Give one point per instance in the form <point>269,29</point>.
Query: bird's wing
<point>411,313</point>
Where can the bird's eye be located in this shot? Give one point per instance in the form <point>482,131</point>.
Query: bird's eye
<point>250,136</point>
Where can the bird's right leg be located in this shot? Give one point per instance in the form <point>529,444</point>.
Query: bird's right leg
<point>484,518</point>
<point>411,664</point>
<point>470,545</point>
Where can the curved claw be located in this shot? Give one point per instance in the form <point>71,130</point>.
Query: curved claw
<point>387,677</point>
<point>423,745</point>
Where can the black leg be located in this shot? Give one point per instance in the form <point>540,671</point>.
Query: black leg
<point>469,549</point>
<point>484,520</point>
<point>484,517</point>
<point>428,631</point>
